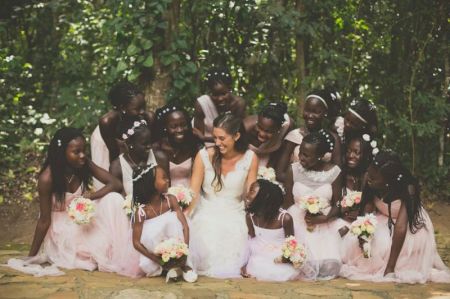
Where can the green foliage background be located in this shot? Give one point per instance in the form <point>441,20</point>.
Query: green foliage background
<point>58,59</point>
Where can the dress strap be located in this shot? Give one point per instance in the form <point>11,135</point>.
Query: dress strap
<point>168,201</point>
<point>140,213</point>
<point>251,218</point>
<point>282,213</point>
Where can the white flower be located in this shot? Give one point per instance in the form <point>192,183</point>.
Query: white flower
<point>366,137</point>
<point>130,132</point>
<point>46,120</point>
<point>375,151</point>
<point>38,131</point>
<point>373,143</point>
<point>136,124</point>
<point>124,136</point>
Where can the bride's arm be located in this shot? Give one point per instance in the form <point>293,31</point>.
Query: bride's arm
<point>253,172</point>
<point>198,173</point>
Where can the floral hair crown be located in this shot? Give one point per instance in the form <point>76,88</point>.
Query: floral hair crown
<point>144,171</point>
<point>130,132</point>
<point>373,144</point>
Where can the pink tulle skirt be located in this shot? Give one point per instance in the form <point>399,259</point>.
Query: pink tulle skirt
<point>418,261</point>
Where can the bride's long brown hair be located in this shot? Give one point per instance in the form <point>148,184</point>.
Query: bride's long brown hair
<point>231,125</point>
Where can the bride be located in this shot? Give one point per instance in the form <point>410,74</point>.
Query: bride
<point>222,174</point>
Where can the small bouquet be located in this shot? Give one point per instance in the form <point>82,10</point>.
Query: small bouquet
<point>266,173</point>
<point>364,228</point>
<point>172,248</point>
<point>127,205</point>
<point>293,252</point>
<point>313,205</point>
<point>184,195</point>
<point>81,210</point>
<point>351,200</point>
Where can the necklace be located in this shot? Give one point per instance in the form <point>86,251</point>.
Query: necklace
<point>160,209</point>
<point>71,178</point>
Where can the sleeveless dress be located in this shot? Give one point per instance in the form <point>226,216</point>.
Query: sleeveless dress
<point>267,148</point>
<point>210,112</point>
<point>99,154</point>
<point>180,174</point>
<point>219,232</point>
<point>103,244</point>
<point>324,241</point>
<point>154,231</point>
<point>127,171</point>
<point>418,261</point>
<point>265,247</point>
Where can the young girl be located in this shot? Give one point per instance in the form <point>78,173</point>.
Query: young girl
<point>138,152</point>
<point>177,142</point>
<point>128,103</point>
<point>266,132</point>
<point>358,156</point>
<point>268,226</point>
<point>222,174</point>
<point>101,244</point>
<point>158,218</point>
<point>360,118</point>
<point>403,246</point>
<point>218,101</point>
<point>315,175</point>
<point>320,106</point>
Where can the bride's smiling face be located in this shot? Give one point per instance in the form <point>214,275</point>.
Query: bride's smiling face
<point>224,141</point>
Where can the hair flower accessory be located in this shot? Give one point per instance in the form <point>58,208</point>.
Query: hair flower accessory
<point>58,142</point>
<point>399,177</point>
<point>375,151</point>
<point>366,137</point>
<point>373,144</point>
<point>130,132</point>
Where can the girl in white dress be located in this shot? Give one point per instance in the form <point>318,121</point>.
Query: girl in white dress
<point>268,226</point>
<point>139,152</point>
<point>223,174</point>
<point>315,175</point>
<point>157,219</point>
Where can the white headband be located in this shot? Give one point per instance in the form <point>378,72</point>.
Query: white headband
<point>319,97</point>
<point>357,115</point>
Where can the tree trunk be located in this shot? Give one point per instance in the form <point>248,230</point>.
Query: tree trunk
<point>300,63</point>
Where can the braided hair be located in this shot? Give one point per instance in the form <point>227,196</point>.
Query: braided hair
<point>56,160</point>
<point>144,184</point>
<point>268,200</point>
<point>401,184</point>
<point>218,75</point>
<point>122,93</point>
<point>322,139</point>
<point>275,111</point>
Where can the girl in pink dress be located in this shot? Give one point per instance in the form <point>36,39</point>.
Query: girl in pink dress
<point>138,152</point>
<point>157,219</point>
<point>315,175</point>
<point>106,143</point>
<point>103,243</point>
<point>178,142</point>
<point>320,111</point>
<point>266,132</point>
<point>268,226</point>
<point>403,248</point>
<point>219,100</point>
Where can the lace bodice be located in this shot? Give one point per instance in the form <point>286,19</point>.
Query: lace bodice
<point>233,182</point>
<point>308,182</point>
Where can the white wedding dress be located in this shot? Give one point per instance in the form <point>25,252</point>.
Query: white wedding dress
<point>219,233</point>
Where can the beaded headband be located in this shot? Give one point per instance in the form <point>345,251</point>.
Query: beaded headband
<point>165,111</point>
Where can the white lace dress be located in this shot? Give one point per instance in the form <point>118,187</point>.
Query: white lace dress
<point>219,233</point>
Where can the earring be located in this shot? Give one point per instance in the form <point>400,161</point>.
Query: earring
<point>123,112</point>
<point>131,146</point>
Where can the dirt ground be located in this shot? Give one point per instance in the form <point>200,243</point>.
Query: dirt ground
<point>17,231</point>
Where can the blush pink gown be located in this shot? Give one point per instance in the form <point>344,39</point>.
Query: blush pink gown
<point>180,174</point>
<point>418,261</point>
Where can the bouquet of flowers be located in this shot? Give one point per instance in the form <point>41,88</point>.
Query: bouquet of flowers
<point>266,173</point>
<point>81,210</point>
<point>313,205</point>
<point>293,252</point>
<point>127,205</point>
<point>364,228</point>
<point>172,248</point>
<point>351,200</point>
<point>184,195</point>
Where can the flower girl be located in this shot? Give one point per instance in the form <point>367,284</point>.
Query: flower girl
<point>268,227</point>
<point>158,221</point>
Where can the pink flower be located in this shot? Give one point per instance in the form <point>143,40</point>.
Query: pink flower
<point>180,196</point>
<point>80,207</point>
